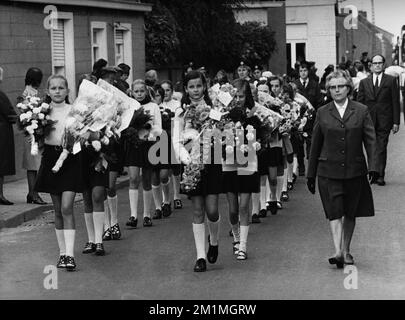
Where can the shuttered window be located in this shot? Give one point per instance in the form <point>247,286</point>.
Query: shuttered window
<point>58,45</point>
<point>119,46</point>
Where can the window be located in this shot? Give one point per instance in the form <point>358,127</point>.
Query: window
<point>63,51</point>
<point>123,45</point>
<point>98,41</point>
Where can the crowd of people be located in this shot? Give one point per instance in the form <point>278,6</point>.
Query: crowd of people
<point>331,138</point>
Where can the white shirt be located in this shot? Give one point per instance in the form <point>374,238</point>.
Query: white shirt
<point>173,105</point>
<point>379,78</point>
<point>58,113</point>
<point>304,82</point>
<point>342,109</point>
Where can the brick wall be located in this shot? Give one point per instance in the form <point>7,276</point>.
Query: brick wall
<point>25,43</point>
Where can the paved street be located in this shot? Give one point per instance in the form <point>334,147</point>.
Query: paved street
<point>287,254</point>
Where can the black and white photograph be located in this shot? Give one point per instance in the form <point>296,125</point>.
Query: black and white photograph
<point>200,157</point>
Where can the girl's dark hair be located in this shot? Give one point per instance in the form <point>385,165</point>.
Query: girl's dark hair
<point>98,66</point>
<point>241,84</point>
<point>194,74</point>
<point>33,77</point>
<point>158,88</point>
<point>221,77</point>
<point>167,82</point>
<point>286,88</point>
<point>262,82</point>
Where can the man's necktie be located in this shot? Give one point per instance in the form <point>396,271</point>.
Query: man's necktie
<point>376,85</point>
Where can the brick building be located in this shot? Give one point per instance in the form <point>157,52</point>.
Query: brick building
<point>67,38</point>
<point>366,38</point>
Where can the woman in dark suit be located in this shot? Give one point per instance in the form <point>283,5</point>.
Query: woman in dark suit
<point>341,129</point>
<point>7,161</point>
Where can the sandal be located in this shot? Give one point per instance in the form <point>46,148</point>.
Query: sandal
<point>242,255</point>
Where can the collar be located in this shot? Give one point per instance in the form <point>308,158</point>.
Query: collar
<point>344,105</point>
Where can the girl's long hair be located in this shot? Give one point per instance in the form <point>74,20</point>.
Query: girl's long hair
<point>194,74</point>
<point>241,84</point>
<point>56,76</point>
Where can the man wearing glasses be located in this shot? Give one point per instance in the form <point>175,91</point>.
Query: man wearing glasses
<point>380,93</point>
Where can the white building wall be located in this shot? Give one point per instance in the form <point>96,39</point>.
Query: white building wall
<point>316,19</point>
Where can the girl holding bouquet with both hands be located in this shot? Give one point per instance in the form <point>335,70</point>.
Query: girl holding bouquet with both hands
<point>240,182</point>
<point>64,184</point>
<point>205,195</point>
<point>136,157</point>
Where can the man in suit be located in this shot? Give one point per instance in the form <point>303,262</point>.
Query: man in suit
<point>310,89</point>
<point>380,93</point>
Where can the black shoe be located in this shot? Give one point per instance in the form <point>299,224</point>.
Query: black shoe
<point>147,222</point>
<point>62,262</point>
<point>100,249</point>
<point>200,265</point>
<point>273,207</point>
<point>115,232</point>
<point>230,233</point>
<point>157,215</point>
<point>36,200</point>
<point>89,248</point>
<point>235,247</point>
<point>70,263</point>
<point>381,181</point>
<point>279,205</point>
<point>212,254</point>
<point>5,202</point>
<point>268,205</point>
<point>294,178</point>
<point>290,186</point>
<point>166,209</point>
<point>284,196</point>
<point>255,218</point>
<point>178,204</point>
<point>107,235</point>
<point>263,213</point>
<point>132,222</point>
<point>339,261</point>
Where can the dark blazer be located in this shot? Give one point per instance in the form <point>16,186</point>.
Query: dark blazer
<point>337,144</point>
<point>384,104</point>
<point>312,92</point>
<point>7,154</point>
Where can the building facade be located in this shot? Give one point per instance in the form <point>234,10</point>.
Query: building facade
<point>66,38</point>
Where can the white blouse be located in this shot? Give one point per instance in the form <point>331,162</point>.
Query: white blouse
<point>58,113</point>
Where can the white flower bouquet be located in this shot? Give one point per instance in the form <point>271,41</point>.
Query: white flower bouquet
<point>35,121</point>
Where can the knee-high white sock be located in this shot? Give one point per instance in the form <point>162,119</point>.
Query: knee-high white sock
<point>147,203</point>
<point>268,191</point>
<point>133,202</point>
<point>263,190</point>
<point>107,219</point>
<point>213,228</point>
<point>255,203</point>
<point>295,165</point>
<point>113,206</point>
<point>199,238</point>
<point>166,192</point>
<point>235,232</point>
<point>279,187</point>
<point>244,231</point>
<point>60,236</point>
<point>176,187</point>
<point>157,196</point>
<point>70,241</point>
<point>88,218</point>
<point>285,180</point>
<point>290,167</point>
<point>98,220</point>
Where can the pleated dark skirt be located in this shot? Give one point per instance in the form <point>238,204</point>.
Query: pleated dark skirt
<point>68,178</point>
<point>234,183</point>
<point>270,157</point>
<point>210,183</point>
<point>91,177</point>
<point>137,156</point>
<point>118,164</point>
<point>346,197</point>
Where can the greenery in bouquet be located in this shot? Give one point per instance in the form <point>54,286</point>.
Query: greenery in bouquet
<point>167,116</point>
<point>35,121</point>
<point>140,123</point>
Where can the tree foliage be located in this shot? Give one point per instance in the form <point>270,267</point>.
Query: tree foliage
<point>206,33</point>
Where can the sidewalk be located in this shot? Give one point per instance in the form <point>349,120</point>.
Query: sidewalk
<point>21,211</point>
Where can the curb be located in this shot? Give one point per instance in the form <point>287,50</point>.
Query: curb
<point>27,215</point>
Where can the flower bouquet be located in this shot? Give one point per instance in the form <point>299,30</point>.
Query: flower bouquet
<point>167,116</point>
<point>35,121</point>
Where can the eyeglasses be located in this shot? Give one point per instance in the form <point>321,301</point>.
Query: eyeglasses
<point>339,86</point>
<point>377,63</point>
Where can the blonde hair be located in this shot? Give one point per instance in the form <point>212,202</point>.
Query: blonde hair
<point>138,81</point>
<point>57,76</point>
